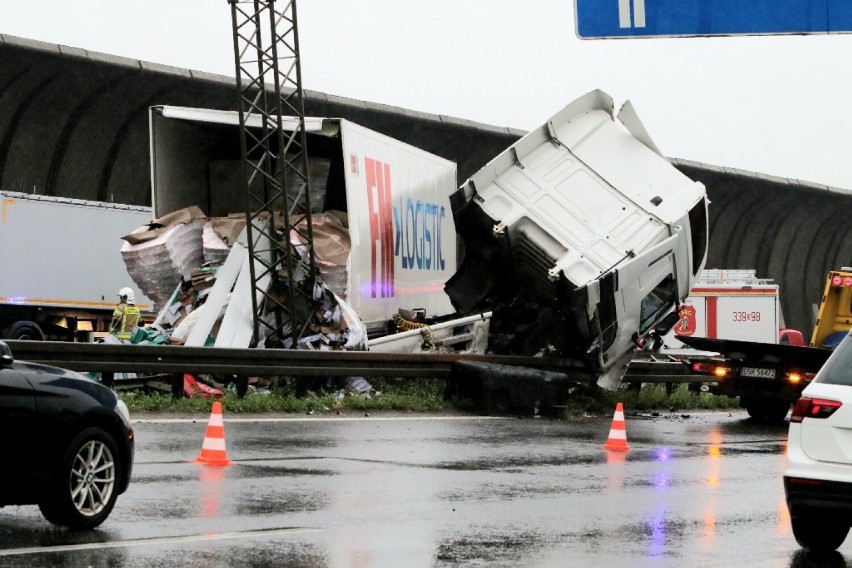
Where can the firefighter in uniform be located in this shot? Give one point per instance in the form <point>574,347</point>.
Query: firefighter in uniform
<point>126,316</point>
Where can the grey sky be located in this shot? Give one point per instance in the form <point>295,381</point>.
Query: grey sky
<point>776,105</point>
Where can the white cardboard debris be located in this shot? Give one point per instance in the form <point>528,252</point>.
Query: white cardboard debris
<point>158,265</point>
<point>214,248</point>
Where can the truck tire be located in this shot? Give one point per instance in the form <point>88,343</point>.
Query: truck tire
<point>25,331</point>
<point>767,410</point>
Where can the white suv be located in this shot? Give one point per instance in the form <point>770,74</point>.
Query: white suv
<point>818,478</point>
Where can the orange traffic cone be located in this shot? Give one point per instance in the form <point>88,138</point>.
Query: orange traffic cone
<point>617,440</point>
<point>213,448</point>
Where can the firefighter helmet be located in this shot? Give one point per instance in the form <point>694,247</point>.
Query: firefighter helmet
<point>125,295</point>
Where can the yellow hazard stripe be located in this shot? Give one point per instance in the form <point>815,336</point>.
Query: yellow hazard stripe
<point>21,301</point>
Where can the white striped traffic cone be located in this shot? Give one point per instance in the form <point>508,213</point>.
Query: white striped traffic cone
<point>213,448</point>
<point>617,440</point>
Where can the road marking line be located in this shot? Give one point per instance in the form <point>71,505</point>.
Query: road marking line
<point>162,540</point>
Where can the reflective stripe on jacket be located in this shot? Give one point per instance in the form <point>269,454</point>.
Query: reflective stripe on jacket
<point>125,318</point>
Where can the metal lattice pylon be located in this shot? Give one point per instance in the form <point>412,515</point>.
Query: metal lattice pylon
<point>273,141</point>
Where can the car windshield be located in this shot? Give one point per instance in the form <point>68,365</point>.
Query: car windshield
<point>838,369</point>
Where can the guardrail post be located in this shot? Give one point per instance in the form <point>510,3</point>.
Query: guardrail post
<point>241,381</point>
<point>177,385</point>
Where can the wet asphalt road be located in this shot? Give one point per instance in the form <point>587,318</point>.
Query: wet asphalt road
<point>702,490</point>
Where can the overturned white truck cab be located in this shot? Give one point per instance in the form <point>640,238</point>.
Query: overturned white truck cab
<point>580,238</point>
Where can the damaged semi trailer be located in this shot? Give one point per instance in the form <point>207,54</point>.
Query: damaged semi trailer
<point>574,242</point>
<point>384,239</point>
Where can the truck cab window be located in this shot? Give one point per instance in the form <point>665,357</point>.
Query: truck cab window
<point>662,299</point>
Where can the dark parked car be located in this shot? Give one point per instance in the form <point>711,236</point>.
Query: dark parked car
<point>66,443</point>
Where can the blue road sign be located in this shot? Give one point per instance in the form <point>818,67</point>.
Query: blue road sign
<point>598,19</point>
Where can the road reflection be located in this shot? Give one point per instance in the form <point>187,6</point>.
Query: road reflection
<point>211,477</point>
<point>709,524</point>
<point>714,466</point>
<point>662,483</point>
<point>807,559</point>
<point>667,474</point>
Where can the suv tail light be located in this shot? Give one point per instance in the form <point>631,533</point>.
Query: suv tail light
<point>813,408</point>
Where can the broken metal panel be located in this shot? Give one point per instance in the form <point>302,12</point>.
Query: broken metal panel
<point>611,378</point>
<point>462,335</point>
<point>628,117</point>
<point>238,321</point>
<point>226,276</point>
<point>237,327</point>
<point>214,116</point>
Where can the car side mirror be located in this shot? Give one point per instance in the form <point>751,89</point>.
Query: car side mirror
<point>667,323</point>
<point>5,354</point>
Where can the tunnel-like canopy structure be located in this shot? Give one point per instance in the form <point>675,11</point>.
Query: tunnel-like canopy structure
<point>74,123</point>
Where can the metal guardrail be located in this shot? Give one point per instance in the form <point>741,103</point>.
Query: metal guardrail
<point>252,362</point>
<point>169,359</point>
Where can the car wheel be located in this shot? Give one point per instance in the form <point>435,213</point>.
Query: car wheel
<point>818,534</point>
<point>84,492</point>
